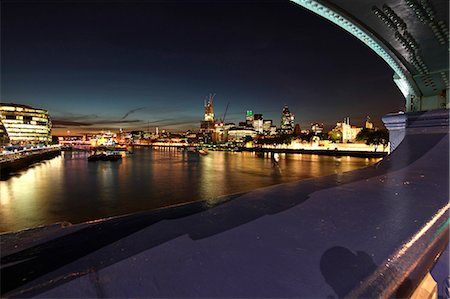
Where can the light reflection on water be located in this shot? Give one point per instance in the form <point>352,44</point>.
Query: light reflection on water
<point>68,188</point>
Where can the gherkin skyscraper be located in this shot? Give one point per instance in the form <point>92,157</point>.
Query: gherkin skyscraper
<point>287,121</point>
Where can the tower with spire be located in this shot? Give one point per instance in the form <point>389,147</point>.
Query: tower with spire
<point>207,125</point>
<point>209,109</point>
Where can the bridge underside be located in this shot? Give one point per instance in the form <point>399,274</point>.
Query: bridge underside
<point>412,36</point>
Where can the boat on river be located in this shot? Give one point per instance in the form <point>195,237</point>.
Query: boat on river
<point>108,156</point>
<point>202,152</point>
<point>198,150</point>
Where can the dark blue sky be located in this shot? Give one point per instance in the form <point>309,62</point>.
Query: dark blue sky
<point>91,62</point>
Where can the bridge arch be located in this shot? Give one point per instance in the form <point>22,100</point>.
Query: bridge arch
<point>398,33</point>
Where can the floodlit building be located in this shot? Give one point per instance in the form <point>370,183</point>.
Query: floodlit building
<point>266,126</point>
<point>368,124</point>
<point>348,131</point>
<point>24,125</point>
<point>258,123</point>
<point>272,131</point>
<point>239,135</point>
<point>219,132</point>
<point>317,128</point>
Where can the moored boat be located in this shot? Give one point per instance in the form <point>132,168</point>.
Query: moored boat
<point>109,156</point>
<point>202,151</point>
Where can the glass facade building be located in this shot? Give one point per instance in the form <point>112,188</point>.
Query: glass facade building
<point>287,121</point>
<point>24,125</point>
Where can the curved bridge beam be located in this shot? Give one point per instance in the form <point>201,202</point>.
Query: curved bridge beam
<point>411,36</point>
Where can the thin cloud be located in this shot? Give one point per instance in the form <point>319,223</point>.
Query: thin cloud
<point>131,112</point>
<point>65,123</point>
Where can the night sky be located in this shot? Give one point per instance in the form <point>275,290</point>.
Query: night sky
<point>108,65</point>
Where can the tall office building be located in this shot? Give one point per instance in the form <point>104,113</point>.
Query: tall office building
<point>24,125</point>
<point>287,121</point>
<point>258,123</point>
<point>297,130</point>
<point>249,119</point>
<point>266,126</point>
<point>207,125</point>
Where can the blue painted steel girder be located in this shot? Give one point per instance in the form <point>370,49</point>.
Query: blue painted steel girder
<point>412,36</point>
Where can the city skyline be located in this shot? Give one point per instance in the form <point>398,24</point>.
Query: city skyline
<point>147,71</point>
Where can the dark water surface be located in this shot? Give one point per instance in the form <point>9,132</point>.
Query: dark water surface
<point>68,188</point>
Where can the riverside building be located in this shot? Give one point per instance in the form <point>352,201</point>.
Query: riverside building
<point>24,125</point>
<point>240,135</point>
<point>317,128</point>
<point>348,131</point>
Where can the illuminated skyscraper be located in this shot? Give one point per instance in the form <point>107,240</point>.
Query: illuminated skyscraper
<point>249,119</point>
<point>297,130</point>
<point>209,110</point>
<point>24,125</point>
<point>207,125</point>
<point>266,126</point>
<point>287,121</point>
<point>258,123</point>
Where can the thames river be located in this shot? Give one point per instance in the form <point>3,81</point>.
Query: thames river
<point>69,188</point>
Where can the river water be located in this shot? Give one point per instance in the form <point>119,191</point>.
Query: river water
<point>69,188</point>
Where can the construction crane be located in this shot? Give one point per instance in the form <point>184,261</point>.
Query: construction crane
<point>225,114</point>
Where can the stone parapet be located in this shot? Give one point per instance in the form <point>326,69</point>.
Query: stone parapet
<point>401,124</point>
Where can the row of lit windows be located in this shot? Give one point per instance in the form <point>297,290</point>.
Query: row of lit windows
<point>24,115</point>
<point>22,120</point>
<point>20,109</point>
<point>20,124</point>
<point>28,134</point>
<point>21,116</point>
<point>13,116</point>
<point>27,122</point>
<point>28,131</point>
<point>12,139</point>
<point>26,126</point>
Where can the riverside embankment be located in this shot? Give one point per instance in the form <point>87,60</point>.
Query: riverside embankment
<point>17,160</point>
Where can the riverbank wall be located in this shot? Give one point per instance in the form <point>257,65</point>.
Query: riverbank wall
<point>9,166</point>
<point>336,153</point>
